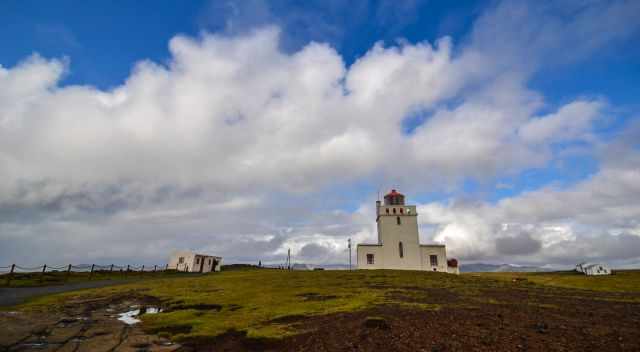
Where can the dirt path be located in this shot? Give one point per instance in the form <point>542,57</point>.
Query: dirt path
<point>10,296</point>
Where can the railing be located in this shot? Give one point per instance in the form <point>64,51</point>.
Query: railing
<point>13,269</point>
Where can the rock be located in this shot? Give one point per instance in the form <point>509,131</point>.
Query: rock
<point>376,322</point>
<point>542,327</point>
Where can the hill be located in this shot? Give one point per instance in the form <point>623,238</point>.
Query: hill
<point>505,268</point>
<point>340,310</point>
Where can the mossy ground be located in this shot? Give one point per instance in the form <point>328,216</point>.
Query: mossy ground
<point>620,281</point>
<point>263,302</point>
<point>53,278</point>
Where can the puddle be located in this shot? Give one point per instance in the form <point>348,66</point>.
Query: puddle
<point>130,317</point>
<point>153,310</point>
<point>39,345</point>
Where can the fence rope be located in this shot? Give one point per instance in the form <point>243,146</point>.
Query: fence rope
<point>82,268</point>
<point>27,268</point>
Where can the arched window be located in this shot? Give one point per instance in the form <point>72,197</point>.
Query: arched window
<point>398,220</point>
<point>401,250</point>
<point>394,210</point>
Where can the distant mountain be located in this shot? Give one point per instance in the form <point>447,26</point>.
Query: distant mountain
<point>505,268</point>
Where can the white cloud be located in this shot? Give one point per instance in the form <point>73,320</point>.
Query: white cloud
<point>573,121</point>
<point>235,140</point>
<point>595,219</point>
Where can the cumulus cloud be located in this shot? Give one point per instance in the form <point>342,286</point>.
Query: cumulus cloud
<point>595,219</point>
<point>519,244</point>
<point>233,146</point>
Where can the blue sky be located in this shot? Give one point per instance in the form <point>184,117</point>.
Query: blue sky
<point>556,84</point>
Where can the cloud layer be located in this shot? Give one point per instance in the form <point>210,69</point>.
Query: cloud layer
<point>235,146</point>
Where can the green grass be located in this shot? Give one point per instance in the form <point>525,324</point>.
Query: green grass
<point>621,281</point>
<point>264,302</point>
<point>61,277</point>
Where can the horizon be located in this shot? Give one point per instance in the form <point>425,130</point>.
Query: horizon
<point>245,128</point>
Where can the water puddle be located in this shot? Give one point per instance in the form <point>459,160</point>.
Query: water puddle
<point>41,345</point>
<point>130,317</point>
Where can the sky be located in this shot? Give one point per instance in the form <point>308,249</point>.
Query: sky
<point>129,130</point>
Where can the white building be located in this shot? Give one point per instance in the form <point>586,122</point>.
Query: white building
<point>193,262</point>
<point>593,269</point>
<point>398,244</point>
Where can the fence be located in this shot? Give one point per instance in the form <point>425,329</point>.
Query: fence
<point>13,269</point>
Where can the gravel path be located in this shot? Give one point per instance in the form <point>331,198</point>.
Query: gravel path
<point>15,295</point>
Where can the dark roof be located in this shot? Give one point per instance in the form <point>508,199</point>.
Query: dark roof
<point>393,193</point>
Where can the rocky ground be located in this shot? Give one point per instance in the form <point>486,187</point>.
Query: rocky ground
<point>89,325</point>
<point>514,317</point>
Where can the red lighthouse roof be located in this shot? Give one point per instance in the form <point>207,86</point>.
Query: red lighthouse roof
<point>394,198</point>
<point>394,193</point>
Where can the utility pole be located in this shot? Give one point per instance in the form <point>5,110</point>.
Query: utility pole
<point>289,259</point>
<point>349,253</point>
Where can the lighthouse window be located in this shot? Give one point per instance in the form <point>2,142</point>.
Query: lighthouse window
<point>401,250</point>
<point>398,220</point>
<point>369,258</point>
<point>434,260</point>
<point>401,210</point>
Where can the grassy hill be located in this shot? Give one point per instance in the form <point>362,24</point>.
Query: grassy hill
<point>281,306</point>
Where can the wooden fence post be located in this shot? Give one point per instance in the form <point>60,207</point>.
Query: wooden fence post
<point>68,273</point>
<point>10,275</point>
<point>142,270</point>
<point>166,267</point>
<point>44,269</point>
<point>111,270</point>
<point>91,272</point>
<point>154,268</point>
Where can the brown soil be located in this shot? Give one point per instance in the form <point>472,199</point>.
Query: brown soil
<point>514,318</point>
<point>517,319</point>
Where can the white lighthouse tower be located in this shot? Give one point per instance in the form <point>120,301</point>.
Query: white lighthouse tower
<point>398,244</point>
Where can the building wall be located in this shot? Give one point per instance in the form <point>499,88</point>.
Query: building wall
<point>363,250</point>
<point>598,269</point>
<point>427,251</point>
<point>391,234</point>
<point>186,265</point>
<point>191,262</point>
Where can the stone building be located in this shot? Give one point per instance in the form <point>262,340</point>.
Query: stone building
<point>590,269</point>
<point>194,262</point>
<point>398,244</point>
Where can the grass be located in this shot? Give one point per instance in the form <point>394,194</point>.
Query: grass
<point>53,278</point>
<point>264,303</point>
<point>621,281</point>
